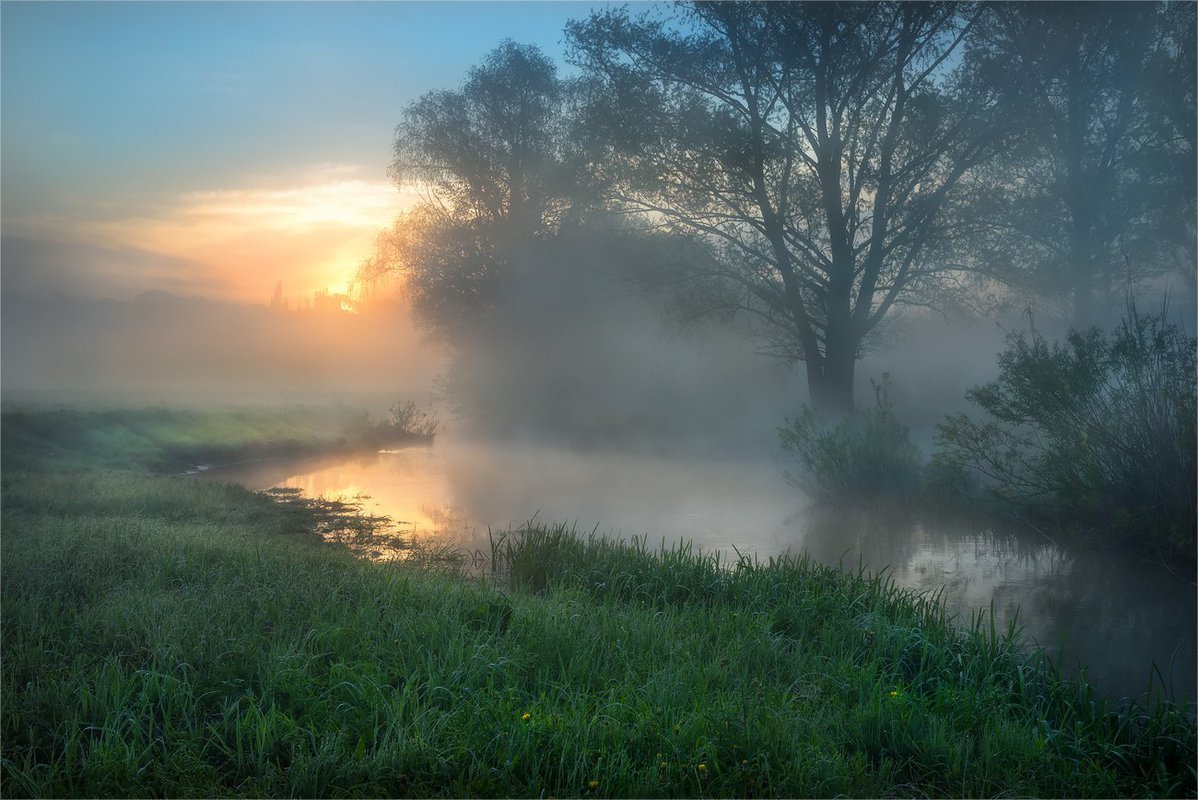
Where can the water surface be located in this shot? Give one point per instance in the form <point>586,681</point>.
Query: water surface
<point>1112,613</point>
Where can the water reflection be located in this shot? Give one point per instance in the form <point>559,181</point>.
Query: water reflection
<point>1112,613</point>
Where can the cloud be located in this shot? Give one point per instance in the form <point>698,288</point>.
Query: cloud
<point>309,231</point>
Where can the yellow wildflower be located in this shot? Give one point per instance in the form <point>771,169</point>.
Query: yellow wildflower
<point>593,784</point>
<point>702,768</point>
<point>526,716</point>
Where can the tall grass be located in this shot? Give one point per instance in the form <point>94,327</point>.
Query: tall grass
<point>166,636</point>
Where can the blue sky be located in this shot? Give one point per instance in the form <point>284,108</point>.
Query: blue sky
<point>115,112</point>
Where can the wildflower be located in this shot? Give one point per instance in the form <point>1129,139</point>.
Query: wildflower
<point>526,716</point>
<point>702,768</point>
<point>895,693</point>
<point>593,784</point>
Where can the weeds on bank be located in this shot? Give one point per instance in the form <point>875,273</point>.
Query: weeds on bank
<point>869,453</point>
<point>1094,434</point>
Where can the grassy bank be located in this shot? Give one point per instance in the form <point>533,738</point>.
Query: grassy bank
<point>171,439</point>
<point>165,636</point>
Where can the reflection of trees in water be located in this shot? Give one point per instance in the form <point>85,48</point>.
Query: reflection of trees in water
<point>873,537</point>
<point>454,528</point>
<point>1112,613</point>
<point>446,519</point>
<point>1117,614</point>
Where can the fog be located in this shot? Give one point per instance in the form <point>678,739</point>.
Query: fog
<point>159,348</point>
<point>610,371</point>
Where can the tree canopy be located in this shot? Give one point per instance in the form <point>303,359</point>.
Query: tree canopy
<point>1099,195</point>
<point>815,146</point>
<point>810,166</point>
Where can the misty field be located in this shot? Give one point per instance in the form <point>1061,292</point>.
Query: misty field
<point>167,636</point>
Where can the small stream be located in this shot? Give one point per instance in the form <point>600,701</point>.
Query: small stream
<point>1113,614</point>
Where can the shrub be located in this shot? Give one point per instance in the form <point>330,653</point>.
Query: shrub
<point>408,420</point>
<point>868,453</point>
<point>1099,429</point>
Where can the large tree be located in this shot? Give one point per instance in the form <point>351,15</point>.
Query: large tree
<point>1100,194</point>
<point>510,263</point>
<point>499,174</point>
<point>815,146</point>
<point>495,150</point>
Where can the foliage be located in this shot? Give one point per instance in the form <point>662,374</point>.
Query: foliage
<point>816,148</point>
<point>867,453</point>
<point>496,150</point>
<point>1098,429</point>
<point>1102,94</point>
<point>408,420</point>
<point>501,173</point>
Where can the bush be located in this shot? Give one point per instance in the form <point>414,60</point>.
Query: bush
<point>869,453</point>
<point>1098,430</point>
<point>410,421</point>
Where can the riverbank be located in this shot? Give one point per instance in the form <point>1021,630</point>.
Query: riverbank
<point>166,636</point>
<point>164,439</point>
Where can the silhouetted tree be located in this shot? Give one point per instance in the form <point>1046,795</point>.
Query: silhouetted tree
<point>500,174</point>
<point>1101,193</point>
<point>510,262</point>
<point>494,151</point>
<point>815,146</point>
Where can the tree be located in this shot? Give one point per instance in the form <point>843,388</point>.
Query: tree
<point>1172,107</point>
<point>496,150</point>
<point>814,146</point>
<point>500,174</point>
<point>508,262</point>
<point>1101,193</point>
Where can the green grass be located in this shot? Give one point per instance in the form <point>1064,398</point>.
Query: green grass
<point>166,439</point>
<point>166,636</point>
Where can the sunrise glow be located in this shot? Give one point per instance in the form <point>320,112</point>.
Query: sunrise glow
<point>309,234</point>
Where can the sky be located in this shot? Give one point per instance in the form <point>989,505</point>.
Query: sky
<point>216,148</point>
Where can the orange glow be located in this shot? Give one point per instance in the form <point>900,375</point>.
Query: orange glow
<point>408,485</point>
<point>311,234</point>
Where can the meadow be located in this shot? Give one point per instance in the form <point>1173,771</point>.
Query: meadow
<point>167,636</point>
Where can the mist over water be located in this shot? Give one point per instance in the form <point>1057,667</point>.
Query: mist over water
<point>1097,608</point>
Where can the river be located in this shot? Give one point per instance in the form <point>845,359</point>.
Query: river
<point>1113,614</point>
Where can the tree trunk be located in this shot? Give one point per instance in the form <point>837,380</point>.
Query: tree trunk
<point>830,384</point>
